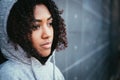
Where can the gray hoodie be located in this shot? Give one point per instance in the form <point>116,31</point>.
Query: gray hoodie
<point>19,66</point>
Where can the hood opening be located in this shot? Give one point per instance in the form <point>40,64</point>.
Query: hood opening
<point>42,59</point>
<point>2,58</point>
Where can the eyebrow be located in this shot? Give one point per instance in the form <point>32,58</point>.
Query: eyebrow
<point>39,20</point>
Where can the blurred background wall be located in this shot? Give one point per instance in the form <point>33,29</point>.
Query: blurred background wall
<point>93,39</point>
<point>93,28</point>
<point>115,39</point>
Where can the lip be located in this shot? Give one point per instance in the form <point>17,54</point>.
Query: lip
<point>46,45</point>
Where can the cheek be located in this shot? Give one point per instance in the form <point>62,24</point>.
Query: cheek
<point>35,37</point>
<point>36,34</point>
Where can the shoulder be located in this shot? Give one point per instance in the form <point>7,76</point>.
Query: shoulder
<point>8,66</point>
<point>9,71</point>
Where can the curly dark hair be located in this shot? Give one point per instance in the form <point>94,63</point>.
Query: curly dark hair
<point>20,25</point>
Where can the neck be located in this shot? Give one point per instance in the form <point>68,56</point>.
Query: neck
<point>42,59</point>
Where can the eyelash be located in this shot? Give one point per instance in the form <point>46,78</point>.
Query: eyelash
<point>50,24</point>
<point>36,27</point>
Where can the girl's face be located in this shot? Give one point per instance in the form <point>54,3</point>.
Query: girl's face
<point>42,35</point>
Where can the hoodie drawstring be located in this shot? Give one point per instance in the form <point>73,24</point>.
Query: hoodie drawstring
<point>54,65</point>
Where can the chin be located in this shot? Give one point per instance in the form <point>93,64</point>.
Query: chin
<point>45,53</point>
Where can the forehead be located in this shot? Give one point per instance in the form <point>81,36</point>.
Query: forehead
<point>41,12</point>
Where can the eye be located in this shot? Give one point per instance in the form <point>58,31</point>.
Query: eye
<point>50,24</point>
<point>35,27</point>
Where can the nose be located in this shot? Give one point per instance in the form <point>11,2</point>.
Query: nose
<point>46,32</point>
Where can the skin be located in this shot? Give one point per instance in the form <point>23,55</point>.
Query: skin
<point>42,36</point>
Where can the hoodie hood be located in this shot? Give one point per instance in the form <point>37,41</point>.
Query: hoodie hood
<point>7,48</point>
<point>20,55</point>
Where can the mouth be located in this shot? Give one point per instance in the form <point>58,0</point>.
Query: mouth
<point>46,45</point>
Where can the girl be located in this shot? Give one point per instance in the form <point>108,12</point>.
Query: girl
<point>33,32</point>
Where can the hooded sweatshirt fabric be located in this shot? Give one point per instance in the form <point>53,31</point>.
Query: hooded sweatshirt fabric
<point>19,66</point>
